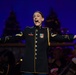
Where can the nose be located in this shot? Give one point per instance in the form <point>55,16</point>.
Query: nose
<point>35,17</point>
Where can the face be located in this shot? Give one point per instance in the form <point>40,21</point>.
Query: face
<point>38,19</point>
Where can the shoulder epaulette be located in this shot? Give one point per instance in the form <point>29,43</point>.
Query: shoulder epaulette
<point>45,27</point>
<point>29,27</point>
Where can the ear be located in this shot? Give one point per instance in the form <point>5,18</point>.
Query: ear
<point>42,19</point>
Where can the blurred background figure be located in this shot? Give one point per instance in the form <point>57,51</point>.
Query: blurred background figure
<point>7,62</point>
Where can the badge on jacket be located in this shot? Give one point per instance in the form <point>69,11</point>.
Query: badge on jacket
<point>41,35</point>
<point>30,34</point>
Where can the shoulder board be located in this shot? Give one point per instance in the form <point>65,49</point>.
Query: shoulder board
<point>29,27</point>
<point>45,27</point>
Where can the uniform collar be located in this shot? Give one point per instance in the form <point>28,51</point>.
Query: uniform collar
<point>37,27</point>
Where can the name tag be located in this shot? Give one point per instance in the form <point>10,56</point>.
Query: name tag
<point>30,34</point>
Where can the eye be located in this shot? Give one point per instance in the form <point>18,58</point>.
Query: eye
<point>38,15</point>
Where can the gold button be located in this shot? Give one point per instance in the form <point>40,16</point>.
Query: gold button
<point>36,34</point>
<point>35,57</point>
<point>35,41</point>
<point>35,45</point>
<point>36,37</point>
<point>35,49</point>
<point>35,53</point>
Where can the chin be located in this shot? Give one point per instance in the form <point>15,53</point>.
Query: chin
<point>37,24</point>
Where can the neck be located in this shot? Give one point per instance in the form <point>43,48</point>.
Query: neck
<point>37,27</point>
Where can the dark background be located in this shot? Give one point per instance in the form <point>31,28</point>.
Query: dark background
<point>24,9</point>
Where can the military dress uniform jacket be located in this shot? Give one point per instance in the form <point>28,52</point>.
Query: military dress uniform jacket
<point>35,59</point>
<point>37,42</point>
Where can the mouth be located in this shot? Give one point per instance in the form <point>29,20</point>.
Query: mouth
<point>36,21</point>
